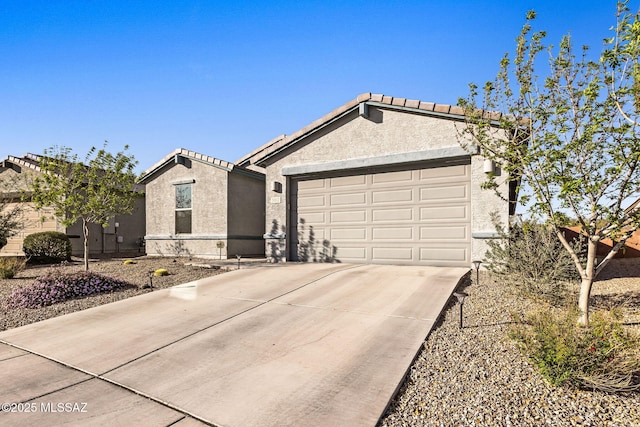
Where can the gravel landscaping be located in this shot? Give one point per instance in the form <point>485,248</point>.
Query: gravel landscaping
<point>137,274</point>
<point>461,377</point>
<point>477,377</point>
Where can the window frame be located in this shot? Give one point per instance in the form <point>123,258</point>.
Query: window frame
<point>180,226</point>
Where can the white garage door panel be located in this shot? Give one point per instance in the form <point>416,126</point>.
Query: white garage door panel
<point>444,254</point>
<point>338,217</point>
<point>419,216</point>
<point>310,185</point>
<point>392,196</point>
<point>445,213</point>
<point>315,217</point>
<point>393,254</point>
<point>358,254</point>
<point>348,234</point>
<point>348,181</point>
<point>394,177</point>
<point>392,215</point>
<point>311,201</point>
<point>435,174</point>
<point>348,199</point>
<point>393,233</point>
<point>445,233</point>
<point>450,193</point>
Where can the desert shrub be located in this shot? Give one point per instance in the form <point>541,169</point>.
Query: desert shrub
<point>160,272</point>
<point>10,266</point>
<point>603,357</point>
<point>530,257</point>
<point>47,246</point>
<point>56,286</point>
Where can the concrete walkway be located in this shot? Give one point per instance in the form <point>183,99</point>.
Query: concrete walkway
<point>296,344</point>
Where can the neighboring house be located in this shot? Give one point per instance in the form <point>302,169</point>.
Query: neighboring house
<point>15,175</point>
<point>631,248</point>
<point>379,180</point>
<point>204,207</point>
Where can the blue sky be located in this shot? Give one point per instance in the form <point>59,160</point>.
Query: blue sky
<point>224,77</point>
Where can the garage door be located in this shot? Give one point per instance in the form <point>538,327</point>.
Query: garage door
<point>416,216</point>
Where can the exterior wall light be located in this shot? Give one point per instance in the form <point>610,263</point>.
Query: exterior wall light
<point>489,166</point>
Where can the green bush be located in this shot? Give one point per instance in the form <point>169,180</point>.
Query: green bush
<point>603,357</point>
<point>10,266</point>
<point>530,258</point>
<point>46,247</point>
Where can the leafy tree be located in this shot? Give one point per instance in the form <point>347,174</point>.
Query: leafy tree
<point>91,192</point>
<point>10,220</point>
<point>10,212</point>
<point>570,137</point>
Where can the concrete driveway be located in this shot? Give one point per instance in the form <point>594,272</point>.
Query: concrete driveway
<point>295,344</point>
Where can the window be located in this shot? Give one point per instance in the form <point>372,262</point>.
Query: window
<point>183,209</point>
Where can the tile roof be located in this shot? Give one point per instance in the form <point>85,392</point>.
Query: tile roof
<point>182,152</point>
<point>30,161</point>
<point>283,141</point>
<point>188,154</point>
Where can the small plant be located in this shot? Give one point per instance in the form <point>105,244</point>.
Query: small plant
<point>530,258</point>
<point>161,272</point>
<point>56,286</point>
<point>128,262</point>
<point>10,266</point>
<point>603,357</point>
<point>47,246</point>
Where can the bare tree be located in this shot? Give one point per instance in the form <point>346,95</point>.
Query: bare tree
<point>570,134</point>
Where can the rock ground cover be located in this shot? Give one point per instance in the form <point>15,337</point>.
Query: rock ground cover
<point>461,377</point>
<point>136,273</point>
<point>476,376</point>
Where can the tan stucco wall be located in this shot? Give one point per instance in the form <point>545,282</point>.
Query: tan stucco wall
<point>209,199</point>
<point>386,132</point>
<point>245,215</point>
<point>209,212</point>
<point>131,228</point>
<point>483,203</point>
<point>227,207</point>
<point>33,221</point>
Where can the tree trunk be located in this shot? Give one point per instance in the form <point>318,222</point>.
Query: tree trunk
<point>85,233</point>
<point>587,282</point>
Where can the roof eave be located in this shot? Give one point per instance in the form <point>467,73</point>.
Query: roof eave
<point>174,156</point>
<point>412,106</point>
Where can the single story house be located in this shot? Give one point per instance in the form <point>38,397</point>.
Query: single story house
<point>124,234</point>
<point>201,206</point>
<point>379,180</point>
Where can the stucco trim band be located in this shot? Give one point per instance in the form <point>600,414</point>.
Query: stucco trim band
<point>485,235</point>
<point>202,237</point>
<point>367,162</point>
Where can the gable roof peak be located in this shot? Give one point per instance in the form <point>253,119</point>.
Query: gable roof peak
<point>178,153</point>
<point>257,156</point>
